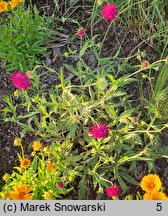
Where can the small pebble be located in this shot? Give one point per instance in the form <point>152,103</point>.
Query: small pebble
<point>92,60</point>
<point>56,52</point>
<point>73,47</point>
<point>48,61</point>
<point>7,149</point>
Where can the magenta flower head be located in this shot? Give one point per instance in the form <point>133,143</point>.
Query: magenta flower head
<point>20,80</point>
<point>113,191</point>
<point>99,131</point>
<point>145,64</point>
<point>81,32</point>
<point>109,11</point>
<point>60,185</point>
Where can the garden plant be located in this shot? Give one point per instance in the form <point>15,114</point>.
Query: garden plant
<point>84,100</point>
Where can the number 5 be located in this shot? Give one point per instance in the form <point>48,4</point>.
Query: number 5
<point>159,207</point>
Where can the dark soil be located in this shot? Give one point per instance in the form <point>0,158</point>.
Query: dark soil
<point>127,39</point>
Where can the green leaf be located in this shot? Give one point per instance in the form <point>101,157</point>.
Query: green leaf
<point>119,93</point>
<point>83,188</point>
<point>27,115</point>
<point>62,78</point>
<point>71,69</point>
<point>34,164</point>
<point>124,81</point>
<point>110,111</point>
<point>7,110</point>
<point>128,178</point>
<point>122,184</point>
<point>75,158</point>
<point>72,129</point>
<point>84,48</point>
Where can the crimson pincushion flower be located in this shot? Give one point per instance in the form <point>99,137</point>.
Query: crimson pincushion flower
<point>20,80</point>
<point>113,191</point>
<point>99,131</point>
<point>145,64</point>
<point>81,32</point>
<point>109,11</point>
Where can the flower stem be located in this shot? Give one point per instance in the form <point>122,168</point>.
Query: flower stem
<point>105,37</point>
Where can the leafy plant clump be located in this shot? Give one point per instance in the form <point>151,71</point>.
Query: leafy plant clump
<point>103,152</point>
<point>24,38</point>
<point>95,134</point>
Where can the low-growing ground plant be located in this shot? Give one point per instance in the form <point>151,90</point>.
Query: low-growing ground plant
<point>108,135</point>
<point>159,93</point>
<point>24,38</point>
<point>90,134</point>
<point>48,175</point>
